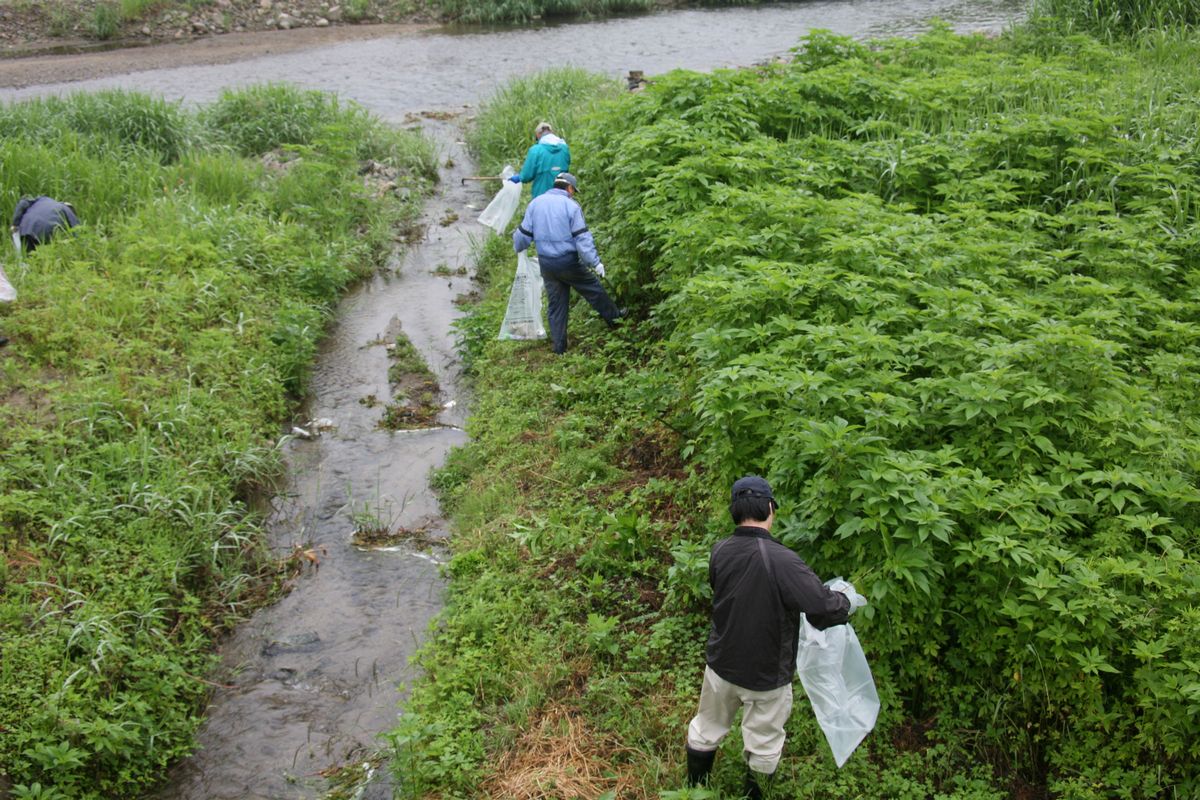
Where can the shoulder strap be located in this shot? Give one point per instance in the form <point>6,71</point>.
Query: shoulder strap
<point>762,551</point>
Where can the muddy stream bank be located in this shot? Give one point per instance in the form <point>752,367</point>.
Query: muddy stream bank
<point>308,684</point>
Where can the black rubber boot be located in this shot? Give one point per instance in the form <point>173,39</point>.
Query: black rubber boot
<point>756,783</point>
<point>699,764</point>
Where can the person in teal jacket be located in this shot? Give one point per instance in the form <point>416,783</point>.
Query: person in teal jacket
<point>547,157</point>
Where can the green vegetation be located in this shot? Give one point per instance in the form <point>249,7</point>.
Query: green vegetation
<point>106,21</point>
<point>415,389</point>
<point>1122,17</point>
<point>942,293</point>
<point>519,11</point>
<point>156,353</point>
<point>503,130</point>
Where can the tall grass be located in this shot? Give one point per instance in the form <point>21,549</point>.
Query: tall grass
<point>562,96</point>
<point>259,119</point>
<point>1122,17</point>
<point>156,351</point>
<point>112,122</point>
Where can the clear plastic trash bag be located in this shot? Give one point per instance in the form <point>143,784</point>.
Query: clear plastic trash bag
<point>833,670</point>
<point>498,212</point>
<point>523,319</point>
<point>8,292</point>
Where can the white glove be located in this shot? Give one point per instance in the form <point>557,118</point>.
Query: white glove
<point>857,601</point>
<point>599,269</point>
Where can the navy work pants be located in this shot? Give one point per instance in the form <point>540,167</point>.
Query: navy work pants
<point>559,280</point>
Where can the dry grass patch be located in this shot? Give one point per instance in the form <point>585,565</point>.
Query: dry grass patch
<point>561,757</point>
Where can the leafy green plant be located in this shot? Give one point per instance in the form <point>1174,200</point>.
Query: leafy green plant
<point>939,292</point>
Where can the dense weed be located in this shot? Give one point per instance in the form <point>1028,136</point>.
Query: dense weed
<point>156,351</point>
<point>940,292</point>
<point>504,128</point>
<point>1121,17</point>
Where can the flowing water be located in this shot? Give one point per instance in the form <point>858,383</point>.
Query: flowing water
<point>308,684</point>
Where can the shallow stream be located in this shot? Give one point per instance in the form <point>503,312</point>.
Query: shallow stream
<point>308,684</point>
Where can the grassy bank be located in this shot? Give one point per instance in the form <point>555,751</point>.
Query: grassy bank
<point>156,353</point>
<point>942,294</point>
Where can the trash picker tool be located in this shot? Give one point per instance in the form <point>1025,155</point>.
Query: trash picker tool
<point>480,178</point>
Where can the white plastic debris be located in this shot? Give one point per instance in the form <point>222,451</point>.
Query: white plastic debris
<point>837,680</point>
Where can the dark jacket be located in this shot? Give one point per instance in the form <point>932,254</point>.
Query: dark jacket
<point>760,588</point>
<point>37,218</point>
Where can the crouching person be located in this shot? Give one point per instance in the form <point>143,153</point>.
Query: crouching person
<point>760,588</point>
<point>37,219</point>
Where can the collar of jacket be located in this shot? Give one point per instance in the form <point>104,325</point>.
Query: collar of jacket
<point>751,530</point>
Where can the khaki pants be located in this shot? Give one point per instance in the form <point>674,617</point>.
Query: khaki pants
<point>763,718</point>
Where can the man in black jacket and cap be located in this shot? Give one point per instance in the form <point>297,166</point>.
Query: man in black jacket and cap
<point>760,588</point>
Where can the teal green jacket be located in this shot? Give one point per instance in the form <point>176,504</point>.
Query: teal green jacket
<point>544,160</point>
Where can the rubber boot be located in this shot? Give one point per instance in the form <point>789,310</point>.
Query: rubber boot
<point>756,784</point>
<point>699,764</point>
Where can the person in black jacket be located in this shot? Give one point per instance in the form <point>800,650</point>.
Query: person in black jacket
<point>760,588</point>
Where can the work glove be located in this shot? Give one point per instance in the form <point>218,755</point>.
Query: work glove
<point>599,269</point>
<point>857,601</point>
<point>515,179</point>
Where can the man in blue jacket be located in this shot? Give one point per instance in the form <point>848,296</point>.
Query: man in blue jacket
<point>566,256</point>
<point>547,157</point>
<point>36,219</point>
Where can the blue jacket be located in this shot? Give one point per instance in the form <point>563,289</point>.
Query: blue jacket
<point>555,222</point>
<point>544,160</point>
<point>36,219</point>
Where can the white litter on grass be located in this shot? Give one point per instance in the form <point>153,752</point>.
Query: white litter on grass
<point>300,433</point>
<point>8,292</point>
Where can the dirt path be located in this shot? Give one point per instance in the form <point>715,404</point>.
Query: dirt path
<point>227,48</point>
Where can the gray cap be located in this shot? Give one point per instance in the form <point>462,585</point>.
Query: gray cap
<point>752,486</point>
<point>566,179</point>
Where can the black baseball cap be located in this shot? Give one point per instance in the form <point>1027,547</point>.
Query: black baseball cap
<point>752,486</point>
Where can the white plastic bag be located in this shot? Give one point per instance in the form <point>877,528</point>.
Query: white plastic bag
<point>838,682</point>
<point>498,212</point>
<point>523,319</point>
<point>8,292</point>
